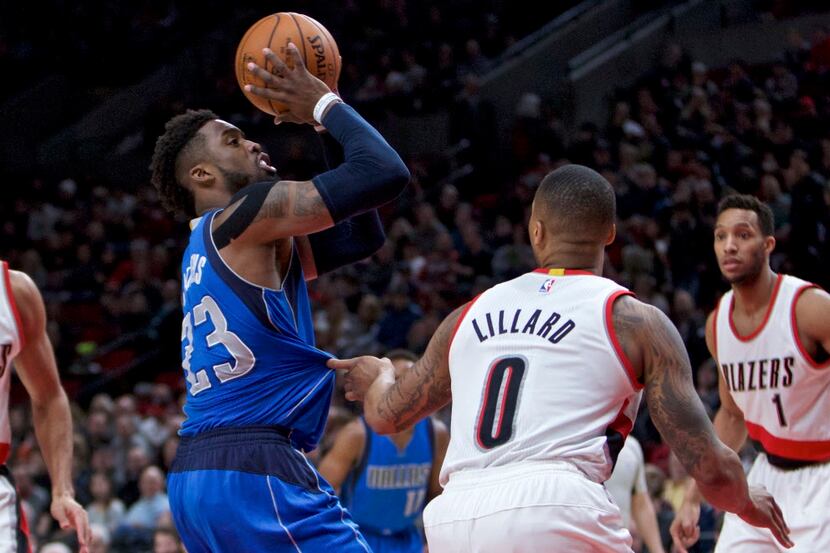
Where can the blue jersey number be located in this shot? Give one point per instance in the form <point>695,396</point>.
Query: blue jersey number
<point>243,357</point>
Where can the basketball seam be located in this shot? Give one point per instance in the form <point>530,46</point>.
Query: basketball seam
<point>329,49</point>
<point>302,38</point>
<point>270,39</point>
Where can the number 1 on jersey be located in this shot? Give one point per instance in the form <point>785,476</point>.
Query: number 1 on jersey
<point>501,398</point>
<point>776,399</point>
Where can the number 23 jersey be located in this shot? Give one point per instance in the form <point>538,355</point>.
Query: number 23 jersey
<point>783,393</point>
<point>538,374</point>
<point>248,352</point>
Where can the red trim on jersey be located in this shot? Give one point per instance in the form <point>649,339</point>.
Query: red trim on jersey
<point>612,335</point>
<point>563,272</point>
<point>799,450</point>
<point>794,325</point>
<point>4,453</point>
<point>7,278</point>
<point>758,330</point>
<point>621,423</point>
<point>458,322</point>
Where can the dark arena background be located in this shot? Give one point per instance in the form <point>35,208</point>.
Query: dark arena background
<point>676,103</point>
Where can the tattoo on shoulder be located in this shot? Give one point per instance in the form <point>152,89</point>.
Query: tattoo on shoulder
<point>426,387</point>
<point>308,201</point>
<point>673,402</point>
<point>298,199</point>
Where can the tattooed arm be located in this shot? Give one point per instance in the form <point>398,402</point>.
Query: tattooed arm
<point>266,212</point>
<point>656,351</point>
<point>391,405</point>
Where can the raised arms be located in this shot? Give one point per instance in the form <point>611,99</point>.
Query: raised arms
<point>371,174</point>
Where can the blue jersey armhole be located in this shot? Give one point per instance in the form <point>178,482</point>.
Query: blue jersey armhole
<point>251,295</point>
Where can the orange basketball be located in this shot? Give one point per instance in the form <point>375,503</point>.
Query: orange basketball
<point>315,43</point>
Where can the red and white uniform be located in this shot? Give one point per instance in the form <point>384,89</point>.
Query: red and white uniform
<point>785,398</point>
<point>13,528</point>
<point>543,398</point>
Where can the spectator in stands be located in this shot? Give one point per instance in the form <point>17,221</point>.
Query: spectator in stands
<point>105,510</point>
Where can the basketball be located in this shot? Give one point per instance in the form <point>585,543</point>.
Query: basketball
<point>315,43</point>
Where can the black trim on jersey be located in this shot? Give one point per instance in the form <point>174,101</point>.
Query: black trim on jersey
<point>785,463</point>
<point>290,281</point>
<point>249,294</point>
<point>615,441</point>
<point>237,222</point>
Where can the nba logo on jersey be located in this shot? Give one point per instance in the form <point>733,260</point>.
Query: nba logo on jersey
<point>546,286</point>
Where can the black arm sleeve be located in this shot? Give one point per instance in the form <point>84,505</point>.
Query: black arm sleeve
<point>348,241</point>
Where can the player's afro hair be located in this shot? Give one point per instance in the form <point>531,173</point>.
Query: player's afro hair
<point>178,136</point>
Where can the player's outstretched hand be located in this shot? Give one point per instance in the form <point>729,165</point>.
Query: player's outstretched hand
<point>70,514</point>
<point>362,372</point>
<point>290,84</point>
<point>763,512</point>
<point>684,529</point>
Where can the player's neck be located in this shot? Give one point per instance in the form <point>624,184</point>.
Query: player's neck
<point>574,260</point>
<point>212,199</point>
<point>402,439</point>
<point>753,296</point>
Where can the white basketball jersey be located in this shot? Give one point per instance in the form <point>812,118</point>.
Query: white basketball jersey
<point>10,343</point>
<point>538,374</point>
<point>783,394</point>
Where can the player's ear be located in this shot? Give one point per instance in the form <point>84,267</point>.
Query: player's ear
<point>201,175</point>
<point>612,235</point>
<point>536,231</point>
<point>769,244</point>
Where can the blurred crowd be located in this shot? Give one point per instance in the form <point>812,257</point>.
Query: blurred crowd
<point>107,260</point>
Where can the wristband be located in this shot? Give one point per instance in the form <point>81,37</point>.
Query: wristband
<point>322,105</point>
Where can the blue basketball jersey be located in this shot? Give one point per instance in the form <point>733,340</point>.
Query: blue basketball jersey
<point>387,492</point>
<point>247,351</point>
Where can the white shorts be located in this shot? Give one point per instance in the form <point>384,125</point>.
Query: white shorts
<point>523,508</point>
<point>804,497</point>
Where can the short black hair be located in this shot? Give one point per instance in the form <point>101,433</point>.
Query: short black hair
<point>178,137</point>
<point>746,201</point>
<point>579,199</point>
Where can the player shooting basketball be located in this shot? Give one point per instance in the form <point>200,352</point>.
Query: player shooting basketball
<point>258,389</point>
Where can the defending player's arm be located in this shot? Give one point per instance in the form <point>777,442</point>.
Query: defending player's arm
<point>344,455</point>
<point>371,175</point>
<point>391,405</point>
<point>642,511</point>
<point>442,441</point>
<point>656,350</point>
<point>731,429</point>
<point>52,419</point>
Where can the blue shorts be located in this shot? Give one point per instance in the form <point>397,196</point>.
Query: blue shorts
<point>247,489</point>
